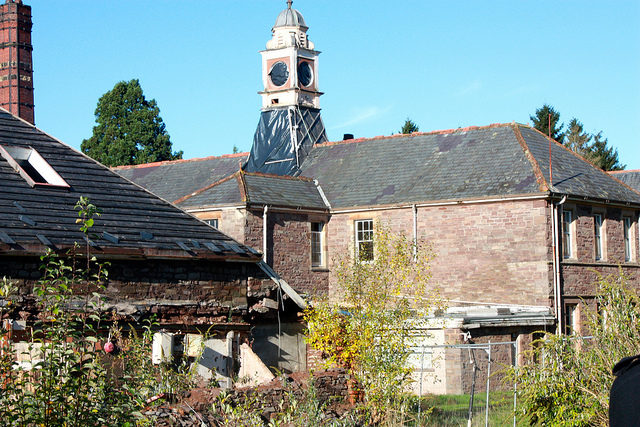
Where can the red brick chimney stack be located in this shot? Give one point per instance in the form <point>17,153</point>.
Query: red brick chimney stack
<point>16,66</point>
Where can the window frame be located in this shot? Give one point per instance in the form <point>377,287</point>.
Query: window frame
<point>358,241</point>
<point>598,245</point>
<point>211,222</point>
<point>627,231</point>
<point>567,234</point>
<point>317,244</point>
<point>17,156</point>
<point>572,318</point>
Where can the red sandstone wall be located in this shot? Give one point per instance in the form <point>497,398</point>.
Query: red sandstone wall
<point>580,273</point>
<point>289,248</point>
<point>490,252</point>
<point>230,221</point>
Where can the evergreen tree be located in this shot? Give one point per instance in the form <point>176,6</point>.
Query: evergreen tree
<point>129,129</point>
<point>409,127</point>
<point>604,157</point>
<point>576,139</point>
<point>541,122</point>
<point>592,147</point>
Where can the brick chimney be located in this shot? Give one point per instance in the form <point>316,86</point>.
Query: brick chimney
<point>16,66</point>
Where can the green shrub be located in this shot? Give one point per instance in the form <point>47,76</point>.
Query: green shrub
<point>570,383</point>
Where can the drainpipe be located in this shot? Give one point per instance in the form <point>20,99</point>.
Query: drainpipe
<point>415,231</point>
<point>264,233</point>
<point>556,209</point>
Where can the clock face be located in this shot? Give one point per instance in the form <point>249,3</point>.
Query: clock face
<point>305,73</point>
<point>279,73</point>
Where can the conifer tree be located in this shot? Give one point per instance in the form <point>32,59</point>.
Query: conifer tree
<point>541,122</point>
<point>129,129</point>
<point>593,147</point>
<point>409,127</point>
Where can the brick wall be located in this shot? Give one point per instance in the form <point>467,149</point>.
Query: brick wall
<point>16,69</point>
<point>489,252</point>
<point>289,248</point>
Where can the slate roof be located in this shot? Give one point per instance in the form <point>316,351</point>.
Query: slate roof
<point>572,174</point>
<point>173,180</point>
<point>499,160</point>
<point>32,218</point>
<point>258,189</point>
<point>495,161</point>
<point>631,178</point>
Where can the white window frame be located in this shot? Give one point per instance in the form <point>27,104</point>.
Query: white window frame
<point>597,237</point>
<point>572,318</point>
<point>567,234</point>
<point>627,232</point>
<point>363,234</point>
<point>18,156</point>
<point>212,222</point>
<point>317,244</point>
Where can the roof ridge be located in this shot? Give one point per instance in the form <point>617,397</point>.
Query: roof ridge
<point>167,162</point>
<point>205,188</point>
<point>400,135</point>
<point>584,160</point>
<point>271,175</point>
<point>542,182</point>
<point>623,171</point>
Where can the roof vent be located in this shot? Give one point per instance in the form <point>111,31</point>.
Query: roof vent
<point>110,237</point>
<point>347,136</point>
<point>145,235</point>
<point>27,220</point>
<point>4,238</point>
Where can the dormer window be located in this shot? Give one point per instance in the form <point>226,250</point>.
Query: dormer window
<point>31,166</point>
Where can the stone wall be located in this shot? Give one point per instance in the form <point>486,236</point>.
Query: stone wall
<point>230,221</point>
<point>580,271</point>
<point>178,291</point>
<point>289,248</point>
<point>485,252</point>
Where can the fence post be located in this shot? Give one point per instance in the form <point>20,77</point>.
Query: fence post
<point>486,413</point>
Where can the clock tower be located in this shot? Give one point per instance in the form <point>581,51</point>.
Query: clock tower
<point>290,123</point>
<point>290,64</point>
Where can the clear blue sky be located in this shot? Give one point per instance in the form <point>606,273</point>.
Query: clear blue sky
<point>444,64</point>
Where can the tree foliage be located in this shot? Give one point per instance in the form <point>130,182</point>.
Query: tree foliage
<point>593,147</point>
<point>570,384</point>
<point>129,129</point>
<point>541,120</point>
<point>409,126</point>
<point>368,331</point>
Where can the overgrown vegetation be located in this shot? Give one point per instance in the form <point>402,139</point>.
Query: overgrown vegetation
<point>570,384</point>
<point>61,377</point>
<point>367,328</point>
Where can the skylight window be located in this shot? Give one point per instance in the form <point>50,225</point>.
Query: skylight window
<point>31,166</point>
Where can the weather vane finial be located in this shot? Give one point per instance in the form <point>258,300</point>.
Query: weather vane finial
<point>289,2</point>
